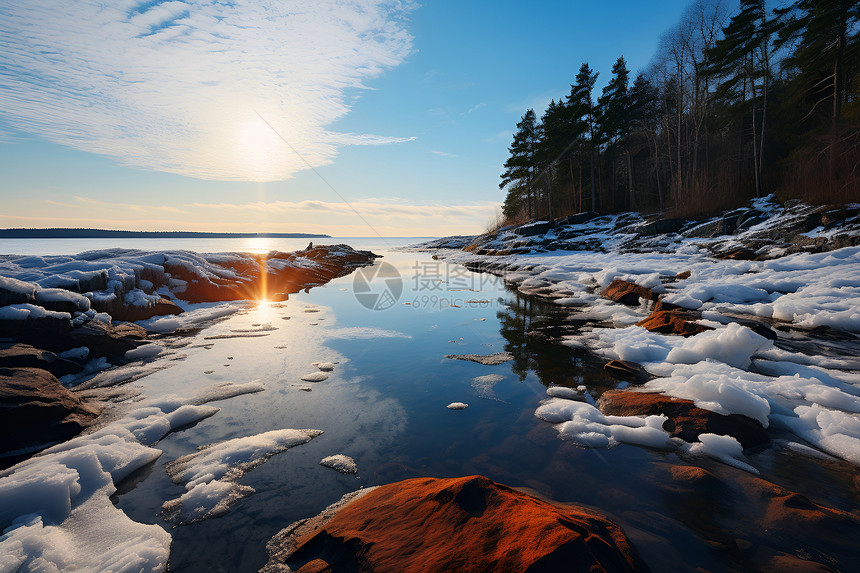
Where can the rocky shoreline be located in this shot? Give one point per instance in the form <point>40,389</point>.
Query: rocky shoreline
<point>60,315</point>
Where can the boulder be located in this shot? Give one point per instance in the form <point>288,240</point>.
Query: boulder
<point>533,229</point>
<point>777,529</point>
<point>578,219</point>
<point>103,339</point>
<point>662,227</point>
<point>35,409</point>
<point>16,355</point>
<point>467,524</point>
<point>627,371</point>
<point>133,313</point>
<point>686,421</point>
<point>672,322</point>
<point>626,292</point>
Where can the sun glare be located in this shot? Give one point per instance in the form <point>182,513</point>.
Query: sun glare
<point>259,147</point>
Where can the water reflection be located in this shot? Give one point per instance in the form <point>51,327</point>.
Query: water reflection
<point>532,329</point>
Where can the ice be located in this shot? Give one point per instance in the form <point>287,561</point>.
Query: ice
<point>79,353</point>
<point>563,392</point>
<point>487,359</point>
<point>191,318</point>
<point>226,390</point>
<point>143,352</point>
<point>315,376</point>
<point>724,448</point>
<point>62,295</point>
<point>340,462</point>
<point>457,406</point>
<point>583,424</point>
<point>216,469</point>
<point>835,432</point>
<point>720,394</point>
<point>363,333</point>
<point>324,366</point>
<point>26,310</point>
<point>55,508</point>
<point>483,385</point>
<point>17,286</point>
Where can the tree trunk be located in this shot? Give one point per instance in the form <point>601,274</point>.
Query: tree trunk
<point>630,179</point>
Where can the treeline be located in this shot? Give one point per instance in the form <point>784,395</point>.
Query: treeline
<point>733,105</point>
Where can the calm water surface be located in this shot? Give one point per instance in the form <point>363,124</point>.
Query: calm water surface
<point>384,405</point>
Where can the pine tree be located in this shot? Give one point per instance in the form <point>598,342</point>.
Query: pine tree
<point>614,104</point>
<point>520,168</point>
<point>583,114</point>
<point>741,60</point>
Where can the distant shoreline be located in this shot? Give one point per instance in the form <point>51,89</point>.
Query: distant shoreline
<point>65,233</point>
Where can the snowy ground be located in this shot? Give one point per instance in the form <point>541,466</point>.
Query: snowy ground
<point>806,382</point>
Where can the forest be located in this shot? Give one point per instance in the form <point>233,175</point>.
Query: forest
<point>739,101</point>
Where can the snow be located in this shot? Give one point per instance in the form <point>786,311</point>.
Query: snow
<point>723,448</point>
<point>457,406</point>
<point>26,310</point>
<point>728,370</point>
<point>143,352</point>
<point>340,462</point>
<point>324,366</point>
<point>563,392</point>
<point>79,353</point>
<point>191,318</point>
<point>62,295</point>
<point>210,475</point>
<point>56,513</point>
<point>315,377</point>
<point>583,424</point>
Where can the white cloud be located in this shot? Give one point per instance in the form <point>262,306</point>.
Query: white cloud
<point>177,85</point>
<point>384,209</point>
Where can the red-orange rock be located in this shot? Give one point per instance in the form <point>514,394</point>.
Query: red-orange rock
<point>626,292</point>
<point>781,530</point>
<point>672,322</point>
<point>683,275</point>
<point>686,421</point>
<point>465,524</point>
<point>36,409</point>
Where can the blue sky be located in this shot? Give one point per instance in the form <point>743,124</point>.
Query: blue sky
<point>153,115</point>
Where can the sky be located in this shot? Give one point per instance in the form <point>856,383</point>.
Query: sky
<point>350,118</point>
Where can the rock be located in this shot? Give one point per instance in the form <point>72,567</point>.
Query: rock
<point>662,227</point>
<point>133,313</point>
<point>13,291</point>
<point>672,322</point>
<point>103,339</point>
<point>35,409</point>
<point>626,292</point>
<point>742,254</point>
<point>15,355</point>
<point>780,529</point>
<point>467,524</point>
<point>627,371</point>
<point>535,228</point>
<point>577,219</point>
<point>486,359</point>
<point>759,328</point>
<point>686,421</point>
<point>34,330</point>
<point>682,276</point>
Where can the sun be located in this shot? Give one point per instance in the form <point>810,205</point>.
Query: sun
<point>259,147</point>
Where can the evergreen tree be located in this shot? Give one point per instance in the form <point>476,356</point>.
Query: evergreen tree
<point>825,50</point>
<point>520,168</point>
<point>615,124</point>
<point>583,115</point>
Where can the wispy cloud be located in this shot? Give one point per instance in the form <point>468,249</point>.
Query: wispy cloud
<point>373,208</point>
<point>442,153</point>
<point>176,85</point>
<point>475,108</point>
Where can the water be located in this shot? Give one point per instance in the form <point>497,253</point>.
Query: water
<point>384,405</point>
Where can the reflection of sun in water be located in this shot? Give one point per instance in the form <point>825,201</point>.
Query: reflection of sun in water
<point>257,245</point>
